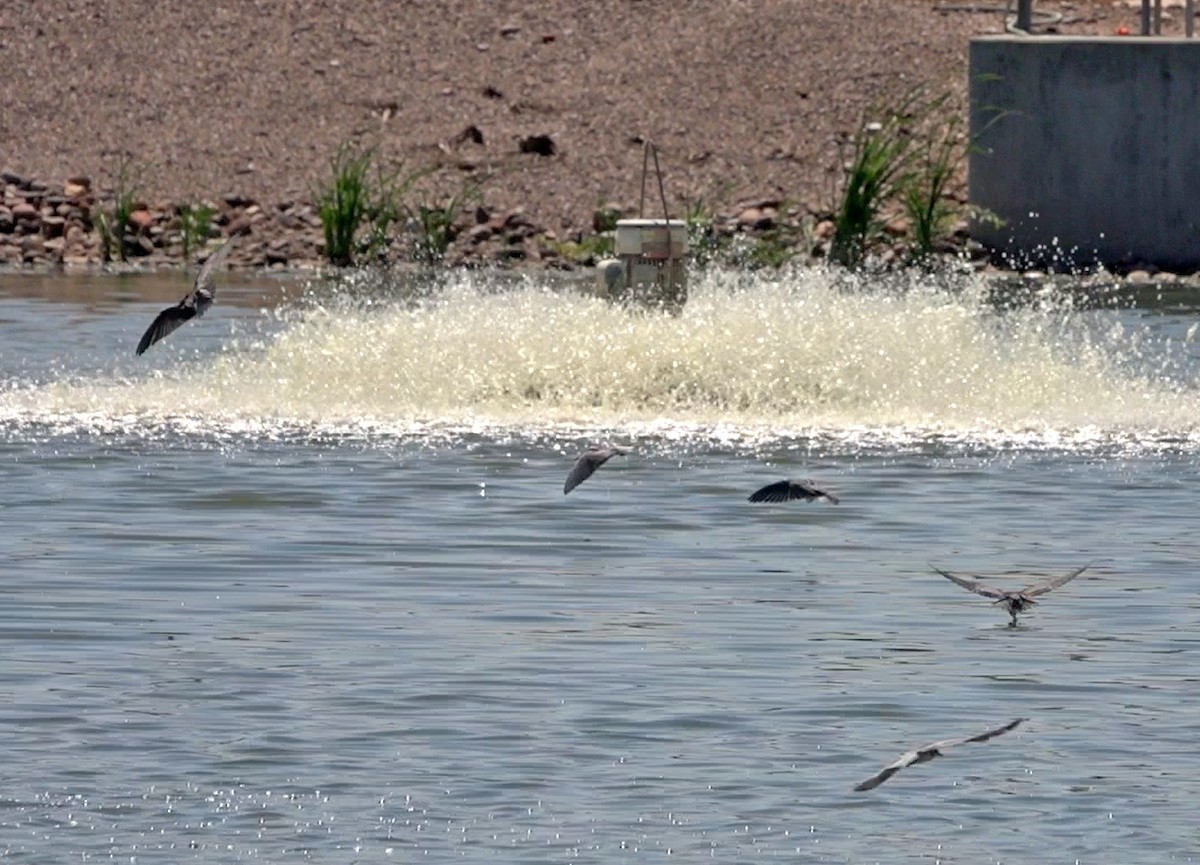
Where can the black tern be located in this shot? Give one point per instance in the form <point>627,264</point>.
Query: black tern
<point>197,302</point>
<point>788,491</point>
<point>588,462</point>
<point>925,753</point>
<point>1014,601</point>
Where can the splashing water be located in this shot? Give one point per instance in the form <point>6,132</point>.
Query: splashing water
<point>807,354</point>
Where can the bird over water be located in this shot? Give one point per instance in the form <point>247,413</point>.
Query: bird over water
<point>195,304</point>
<point>791,490</point>
<point>925,753</point>
<point>588,462</point>
<point>1015,601</point>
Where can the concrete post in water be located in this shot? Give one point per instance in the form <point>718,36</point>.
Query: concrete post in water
<point>650,264</point>
<point>1024,15</point>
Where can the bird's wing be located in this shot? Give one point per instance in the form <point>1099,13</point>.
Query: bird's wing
<point>906,759</point>
<point>166,322</point>
<point>806,489</point>
<point>776,492</point>
<point>972,585</point>
<point>1035,589</point>
<point>980,737</point>
<point>789,491</point>
<point>204,279</point>
<point>582,470</point>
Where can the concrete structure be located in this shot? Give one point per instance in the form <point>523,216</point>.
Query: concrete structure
<point>1088,149</point>
<point>650,267</point>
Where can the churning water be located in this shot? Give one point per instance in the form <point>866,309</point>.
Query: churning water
<point>300,584</point>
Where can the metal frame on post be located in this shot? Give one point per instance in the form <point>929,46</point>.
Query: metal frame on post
<point>1024,15</point>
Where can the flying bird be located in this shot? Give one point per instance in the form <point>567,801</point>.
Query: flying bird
<point>788,491</point>
<point>588,462</point>
<point>925,753</point>
<point>197,302</point>
<point>1014,601</point>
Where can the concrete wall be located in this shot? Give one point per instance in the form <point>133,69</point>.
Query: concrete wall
<point>1088,149</point>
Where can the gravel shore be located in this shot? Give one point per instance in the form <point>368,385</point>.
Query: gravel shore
<point>242,104</point>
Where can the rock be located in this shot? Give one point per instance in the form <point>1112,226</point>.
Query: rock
<point>53,246</point>
<point>138,246</point>
<point>479,234</point>
<point>472,134</point>
<point>241,225</point>
<point>277,252</point>
<point>141,219</point>
<point>52,226</point>
<point>23,211</point>
<point>520,233</point>
<point>1138,277</point>
<point>758,219</point>
<point>516,218</point>
<point>290,220</point>
<point>77,186</point>
<point>6,220</point>
<point>542,145</point>
<point>511,253</point>
<point>896,227</point>
<point>12,177</point>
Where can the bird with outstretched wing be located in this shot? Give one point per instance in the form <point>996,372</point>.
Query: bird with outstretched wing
<point>790,491</point>
<point>195,304</point>
<point>925,753</point>
<point>587,463</point>
<point>1015,601</point>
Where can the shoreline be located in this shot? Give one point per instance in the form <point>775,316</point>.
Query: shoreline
<point>49,227</point>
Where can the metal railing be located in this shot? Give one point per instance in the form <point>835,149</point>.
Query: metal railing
<point>1151,17</point>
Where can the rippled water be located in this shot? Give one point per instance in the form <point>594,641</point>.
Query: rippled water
<point>301,584</point>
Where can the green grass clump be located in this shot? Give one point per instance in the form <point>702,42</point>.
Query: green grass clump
<point>365,199</point>
<point>587,250</point>
<point>436,224</point>
<point>113,224</point>
<point>939,153</point>
<point>195,226</point>
<point>343,202</point>
<point>882,153</point>
<point>704,242</point>
<point>910,157</point>
<point>605,218</point>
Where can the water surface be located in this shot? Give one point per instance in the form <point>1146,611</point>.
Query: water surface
<point>300,584</point>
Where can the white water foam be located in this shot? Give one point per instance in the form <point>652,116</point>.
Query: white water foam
<point>806,354</point>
